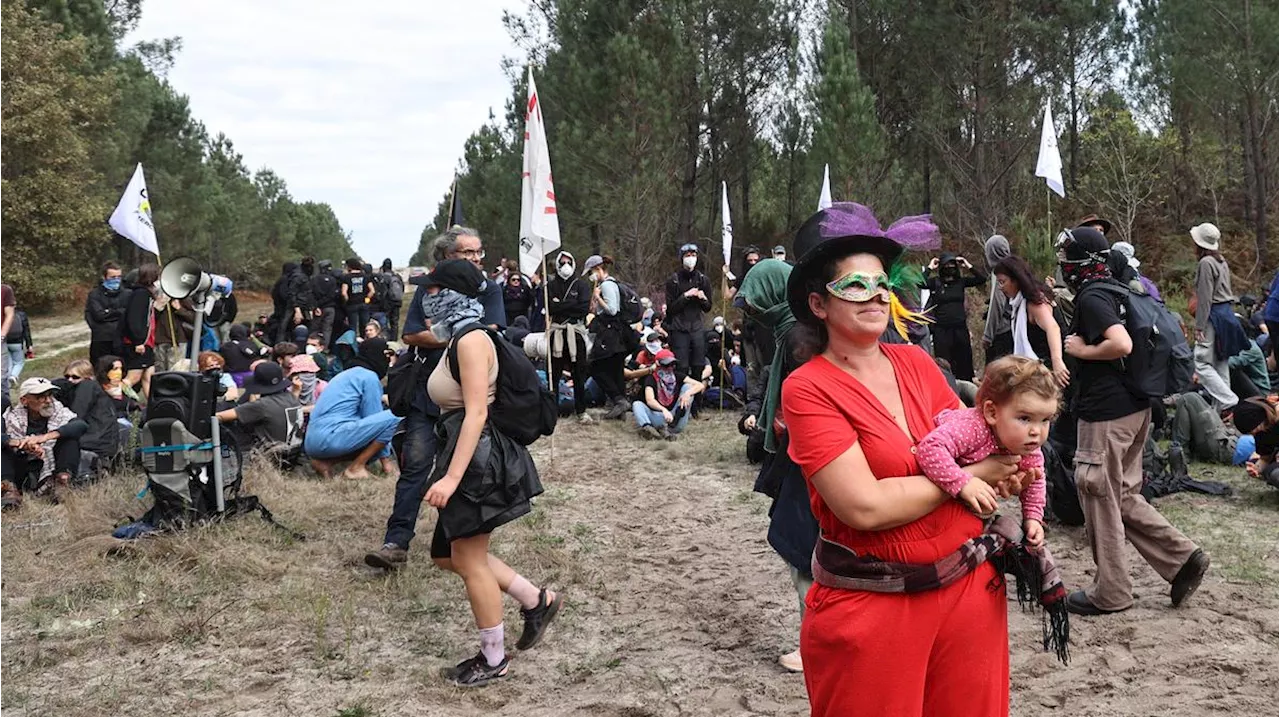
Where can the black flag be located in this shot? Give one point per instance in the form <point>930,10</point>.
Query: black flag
<point>455,208</point>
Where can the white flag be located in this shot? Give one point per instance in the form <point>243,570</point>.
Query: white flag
<point>726,232</point>
<point>1049,164</point>
<point>132,217</point>
<point>824,199</point>
<point>539,224</point>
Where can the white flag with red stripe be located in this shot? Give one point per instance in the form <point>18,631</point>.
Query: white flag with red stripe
<point>539,225</point>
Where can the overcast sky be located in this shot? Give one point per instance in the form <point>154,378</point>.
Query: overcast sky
<point>363,106</point>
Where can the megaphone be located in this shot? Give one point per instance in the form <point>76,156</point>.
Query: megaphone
<point>183,277</point>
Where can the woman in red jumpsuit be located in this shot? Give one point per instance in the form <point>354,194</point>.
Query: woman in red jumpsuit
<point>854,413</point>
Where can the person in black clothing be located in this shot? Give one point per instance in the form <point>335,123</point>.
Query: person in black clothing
<point>325,293</point>
<point>1112,427</point>
<point>688,299</point>
<point>102,312</point>
<point>357,294</point>
<point>393,298</point>
<point>239,354</point>
<point>570,298</point>
<point>517,296</point>
<point>137,330</point>
<point>89,401</point>
<point>950,327</point>
<point>293,302</point>
<point>614,339</point>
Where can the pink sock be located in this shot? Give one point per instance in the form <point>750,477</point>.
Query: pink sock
<point>524,592</point>
<point>491,645</point>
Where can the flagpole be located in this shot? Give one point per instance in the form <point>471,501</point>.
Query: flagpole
<point>453,190</point>
<point>552,383</point>
<point>1048,212</point>
<point>725,332</point>
<point>173,335</point>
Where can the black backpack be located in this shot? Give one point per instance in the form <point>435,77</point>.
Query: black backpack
<point>1161,362</point>
<point>522,409</point>
<point>629,309</point>
<point>324,287</point>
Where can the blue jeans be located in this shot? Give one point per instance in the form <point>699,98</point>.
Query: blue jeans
<point>17,356</point>
<point>646,416</point>
<point>418,456</point>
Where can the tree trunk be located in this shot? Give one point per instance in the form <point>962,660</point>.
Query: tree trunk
<point>928,179</point>
<point>1075,112</point>
<point>689,182</point>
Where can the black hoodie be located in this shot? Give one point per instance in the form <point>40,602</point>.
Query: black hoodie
<point>570,298</point>
<point>685,313</point>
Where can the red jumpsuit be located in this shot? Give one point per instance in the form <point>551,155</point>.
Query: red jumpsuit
<point>940,653</point>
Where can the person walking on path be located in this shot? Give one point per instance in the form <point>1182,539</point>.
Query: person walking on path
<point>1111,432</point>
<point>482,479</point>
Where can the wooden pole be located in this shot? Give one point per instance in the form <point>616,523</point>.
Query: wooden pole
<point>725,334</point>
<point>168,311</point>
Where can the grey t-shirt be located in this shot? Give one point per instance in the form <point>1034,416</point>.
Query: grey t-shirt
<point>276,418</point>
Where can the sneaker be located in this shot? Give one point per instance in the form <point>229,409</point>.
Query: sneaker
<point>585,418</point>
<point>476,672</point>
<point>791,662</point>
<point>1189,577</point>
<point>537,620</point>
<point>389,557</point>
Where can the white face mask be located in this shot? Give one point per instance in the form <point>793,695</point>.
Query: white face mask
<point>690,262</point>
<point>653,348</point>
<point>565,271</point>
<point>311,349</point>
<point>720,329</point>
<point>595,278</point>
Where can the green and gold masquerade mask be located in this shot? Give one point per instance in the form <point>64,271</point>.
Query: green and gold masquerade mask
<point>860,287</point>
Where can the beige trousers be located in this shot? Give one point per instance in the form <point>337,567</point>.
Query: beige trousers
<point>1108,479</point>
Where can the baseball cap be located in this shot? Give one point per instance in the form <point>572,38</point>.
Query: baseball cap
<point>1126,249</point>
<point>592,262</point>
<point>665,357</point>
<point>267,378</point>
<point>36,387</point>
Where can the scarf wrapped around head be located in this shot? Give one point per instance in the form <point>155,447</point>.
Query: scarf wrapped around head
<point>449,309</point>
<point>765,290</point>
<point>668,388</point>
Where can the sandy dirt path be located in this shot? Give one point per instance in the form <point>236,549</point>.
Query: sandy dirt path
<point>676,605</point>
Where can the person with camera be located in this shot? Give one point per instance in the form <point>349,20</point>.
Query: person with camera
<point>272,417</point>
<point>950,328</point>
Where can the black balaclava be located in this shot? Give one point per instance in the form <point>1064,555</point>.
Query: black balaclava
<point>372,355</point>
<point>238,332</point>
<point>948,267</point>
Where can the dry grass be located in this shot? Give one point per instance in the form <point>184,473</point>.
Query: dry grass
<point>675,603</point>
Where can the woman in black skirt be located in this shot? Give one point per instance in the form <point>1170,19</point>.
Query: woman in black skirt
<point>482,479</point>
<point>138,330</point>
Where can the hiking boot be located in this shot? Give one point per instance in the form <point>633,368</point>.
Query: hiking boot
<point>667,435</point>
<point>1189,577</point>
<point>649,433</point>
<point>10,496</point>
<point>618,410</point>
<point>585,419</point>
<point>476,672</point>
<point>389,557</point>
<point>537,620</point>
<point>1078,603</point>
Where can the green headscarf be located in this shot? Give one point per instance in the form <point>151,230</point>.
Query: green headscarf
<point>765,289</point>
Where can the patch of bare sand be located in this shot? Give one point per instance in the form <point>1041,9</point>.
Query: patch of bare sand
<point>676,605</point>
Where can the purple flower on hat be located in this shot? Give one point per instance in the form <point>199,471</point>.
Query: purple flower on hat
<point>843,219</point>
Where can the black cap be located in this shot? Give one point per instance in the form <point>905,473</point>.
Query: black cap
<point>1085,241</point>
<point>458,274</point>
<point>267,378</point>
<point>947,257</point>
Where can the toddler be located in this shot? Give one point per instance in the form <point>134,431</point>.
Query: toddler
<point>1015,403</point>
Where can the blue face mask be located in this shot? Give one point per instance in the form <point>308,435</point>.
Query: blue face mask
<point>111,284</point>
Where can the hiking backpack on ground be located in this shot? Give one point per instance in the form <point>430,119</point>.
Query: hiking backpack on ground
<point>522,409</point>
<point>1161,362</point>
<point>629,308</point>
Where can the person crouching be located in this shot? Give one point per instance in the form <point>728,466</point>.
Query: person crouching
<point>41,449</point>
